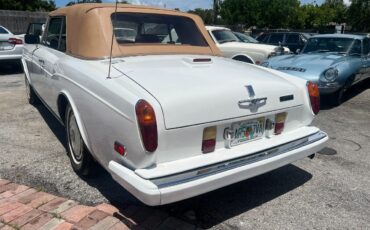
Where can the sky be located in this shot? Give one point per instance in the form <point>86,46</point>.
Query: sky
<point>183,5</point>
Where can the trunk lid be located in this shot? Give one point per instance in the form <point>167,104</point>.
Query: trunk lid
<point>196,93</point>
<point>4,42</point>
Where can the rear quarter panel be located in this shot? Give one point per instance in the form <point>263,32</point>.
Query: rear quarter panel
<point>105,108</point>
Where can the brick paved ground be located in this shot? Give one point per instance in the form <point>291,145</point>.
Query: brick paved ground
<point>26,208</point>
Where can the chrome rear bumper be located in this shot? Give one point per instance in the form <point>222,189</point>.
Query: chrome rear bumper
<point>235,163</point>
<point>180,186</point>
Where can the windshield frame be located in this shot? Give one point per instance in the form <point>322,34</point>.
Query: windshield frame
<point>346,52</point>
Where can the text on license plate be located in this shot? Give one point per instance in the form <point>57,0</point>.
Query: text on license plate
<point>245,131</point>
<point>5,46</point>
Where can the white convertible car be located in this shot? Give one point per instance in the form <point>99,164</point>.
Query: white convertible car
<point>170,118</point>
<point>232,47</point>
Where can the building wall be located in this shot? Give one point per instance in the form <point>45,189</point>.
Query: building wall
<point>17,21</point>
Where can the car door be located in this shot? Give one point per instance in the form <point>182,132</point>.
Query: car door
<point>357,61</point>
<point>365,59</point>
<point>51,48</point>
<point>293,41</point>
<point>276,39</point>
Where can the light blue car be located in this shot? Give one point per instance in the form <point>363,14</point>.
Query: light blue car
<point>334,61</point>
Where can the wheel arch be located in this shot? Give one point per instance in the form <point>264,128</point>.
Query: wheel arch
<point>243,56</point>
<point>25,69</point>
<point>65,99</point>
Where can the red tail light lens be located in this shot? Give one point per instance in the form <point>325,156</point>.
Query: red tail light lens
<point>209,139</point>
<point>119,148</point>
<point>147,125</point>
<point>15,41</point>
<point>280,123</point>
<point>314,93</point>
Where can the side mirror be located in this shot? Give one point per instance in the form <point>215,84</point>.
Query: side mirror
<point>31,39</point>
<point>298,51</point>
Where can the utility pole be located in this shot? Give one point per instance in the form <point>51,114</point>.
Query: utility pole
<point>216,7</point>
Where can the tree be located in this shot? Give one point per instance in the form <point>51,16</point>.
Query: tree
<point>278,13</point>
<point>205,14</point>
<point>359,15</point>
<point>83,1</point>
<point>26,5</point>
<point>245,12</point>
<point>336,9</point>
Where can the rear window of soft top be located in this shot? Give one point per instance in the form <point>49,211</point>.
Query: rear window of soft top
<point>145,28</point>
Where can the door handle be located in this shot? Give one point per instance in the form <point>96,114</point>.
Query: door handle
<point>41,61</point>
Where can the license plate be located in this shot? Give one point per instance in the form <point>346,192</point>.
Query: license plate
<point>246,131</point>
<point>5,46</point>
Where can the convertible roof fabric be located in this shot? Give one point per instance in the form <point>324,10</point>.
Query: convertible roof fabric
<point>89,32</point>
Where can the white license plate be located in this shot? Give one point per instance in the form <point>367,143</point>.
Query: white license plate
<point>5,46</point>
<point>246,131</point>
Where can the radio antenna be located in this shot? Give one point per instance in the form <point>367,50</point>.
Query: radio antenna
<point>111,44</point>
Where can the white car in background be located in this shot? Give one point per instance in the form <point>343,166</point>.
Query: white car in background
<point>168,117</point>
<point>11,46</point>
<point>232,47</point>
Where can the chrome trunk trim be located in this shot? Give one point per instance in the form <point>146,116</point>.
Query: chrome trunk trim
<point>198,173</point>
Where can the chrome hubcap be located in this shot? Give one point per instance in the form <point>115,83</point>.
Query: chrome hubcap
<point>75,140</point>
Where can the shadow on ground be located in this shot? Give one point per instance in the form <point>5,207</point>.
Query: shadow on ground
<point>351,93</point>
<point>10,67</point>
<point>206,210</point>
<point>215,207</point>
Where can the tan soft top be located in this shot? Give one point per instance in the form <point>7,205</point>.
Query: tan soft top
<point>89,32</point>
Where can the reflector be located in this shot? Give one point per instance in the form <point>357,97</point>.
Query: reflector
<point>280,122</point>
<point>119,148</point>
<point>209,139</point>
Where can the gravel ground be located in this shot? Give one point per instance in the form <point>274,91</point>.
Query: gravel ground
<point>331,191</point>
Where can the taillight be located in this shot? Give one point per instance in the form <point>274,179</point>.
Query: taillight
<point>314,93</point>
<point>15,41</point>
<point>209,139</point>
<point>147,125</point>
<point>280,123</point>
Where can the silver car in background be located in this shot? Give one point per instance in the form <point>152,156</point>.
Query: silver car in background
<point>11,46</point>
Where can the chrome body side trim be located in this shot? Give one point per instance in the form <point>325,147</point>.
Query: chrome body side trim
<point>198,173</point>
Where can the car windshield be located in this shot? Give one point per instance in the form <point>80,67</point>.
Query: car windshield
<point>328,44</point>
<point>141,28</point>
<point>223,36</point>
<point>245,38</point>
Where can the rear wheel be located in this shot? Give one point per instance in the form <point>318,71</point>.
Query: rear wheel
<point>31,95</point>
<point>81,160</point>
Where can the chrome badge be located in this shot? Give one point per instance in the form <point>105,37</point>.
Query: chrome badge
<point>252,103</point>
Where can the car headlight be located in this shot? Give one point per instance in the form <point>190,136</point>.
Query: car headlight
<point>279,49</point>
<point>265,64</point>
<point>330,75</point>
<point>273,54</point>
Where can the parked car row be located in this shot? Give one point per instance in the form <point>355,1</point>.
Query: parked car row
<point>159,107</point>
<point>233,47</point>
<point>293,40</point>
